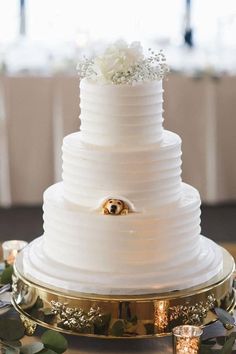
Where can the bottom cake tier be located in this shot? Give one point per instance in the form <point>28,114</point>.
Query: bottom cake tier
<point>116,316</point>
<point>37,265</point>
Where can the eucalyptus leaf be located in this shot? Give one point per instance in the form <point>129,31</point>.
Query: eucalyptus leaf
<point>47,351</point>
<point>149,328</point>
<point>32,348</point>
<point>221,340</point>
<point>206,350</point>
<point>234,283</point>
<point>209,342</point>
<point>9,350</point>
<point>39,303</point>
<point>54,341</point>
<point>6,276</point>
<point>228,346</point>
<point>11,329</point>
<point>49,318</point>
<point>134,320</point>
<point>118,328</point>
<point>101,324</point>
<point>224,317</point>
<point>14,343</point>
<point>37,314</point>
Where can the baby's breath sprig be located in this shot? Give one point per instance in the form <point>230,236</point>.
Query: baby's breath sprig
<point>85,68</point>
<point>144,69</point>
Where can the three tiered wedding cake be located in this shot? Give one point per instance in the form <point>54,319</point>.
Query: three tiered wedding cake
<point>122,221</point>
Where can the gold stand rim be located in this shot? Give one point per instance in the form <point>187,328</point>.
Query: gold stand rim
<point>33,322</point>
<point>135,316</point>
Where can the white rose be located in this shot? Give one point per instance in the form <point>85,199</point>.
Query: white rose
<point>119,57</point>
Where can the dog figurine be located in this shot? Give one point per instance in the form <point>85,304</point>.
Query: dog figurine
<point>115,207</point>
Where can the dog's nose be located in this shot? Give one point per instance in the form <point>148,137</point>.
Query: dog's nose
<point>113,208</point>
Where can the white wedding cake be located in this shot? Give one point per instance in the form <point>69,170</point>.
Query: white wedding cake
<point>122,221</point>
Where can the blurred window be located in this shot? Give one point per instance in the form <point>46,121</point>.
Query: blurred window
<point>104,19</point>
<point>9,20</point>
<point>83,20</point>
<point>79,20</point>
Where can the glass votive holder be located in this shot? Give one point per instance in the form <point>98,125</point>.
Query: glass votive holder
<point>10,250</point>
<point>186,339</point>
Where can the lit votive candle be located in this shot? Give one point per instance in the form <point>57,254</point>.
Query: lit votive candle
<point>161,315</point>
<point>186,339</point>
<point>10,250</point>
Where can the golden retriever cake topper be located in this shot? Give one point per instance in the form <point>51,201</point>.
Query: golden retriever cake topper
<point>115,207</point>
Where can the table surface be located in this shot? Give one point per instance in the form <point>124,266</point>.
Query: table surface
<point>162,345</point>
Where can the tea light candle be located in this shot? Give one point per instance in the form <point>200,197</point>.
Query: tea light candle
<point>10,250</point>
<point>186,339</point>
<point>161,315</point>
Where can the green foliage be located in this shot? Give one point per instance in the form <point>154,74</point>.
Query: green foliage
<point>39,303</point>
<point>118,328</point>
<point>47,351</point>
<point>149,328</point>
<point>221,340</point>
<point>11,329</point>
<point>6,276</point>
<point>54,341</point>
<point>101,324</point>
<point>13,343</point>
<point>227,343</point>
<point>205,349</point>
<point>134,320</point>
<point>32,348</point>
<point>209,342</point>
<point>228,346</point>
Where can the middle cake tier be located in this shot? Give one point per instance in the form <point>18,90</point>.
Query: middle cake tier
<point>148,177</point>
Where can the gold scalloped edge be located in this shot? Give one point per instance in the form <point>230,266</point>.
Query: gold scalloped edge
<point>108,316</point>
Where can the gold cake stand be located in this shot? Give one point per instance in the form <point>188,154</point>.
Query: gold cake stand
<point>107,316</point>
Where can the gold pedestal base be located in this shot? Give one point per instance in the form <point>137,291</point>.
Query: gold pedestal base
<point>138,316</point>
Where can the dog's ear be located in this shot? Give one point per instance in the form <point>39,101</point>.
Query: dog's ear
<point>104,204</point>
<point>105,211</point>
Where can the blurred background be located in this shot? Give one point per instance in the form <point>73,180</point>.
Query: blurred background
<point>40,44</point>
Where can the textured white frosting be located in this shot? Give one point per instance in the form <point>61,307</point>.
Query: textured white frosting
<point>39,267</point>
<point>124,115</point>
<point>149,176</point>
<point>132,249</point>
<point>122,152</point>
<point>133,243</point>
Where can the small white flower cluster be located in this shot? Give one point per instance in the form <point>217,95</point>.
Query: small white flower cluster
<point>124,64</point>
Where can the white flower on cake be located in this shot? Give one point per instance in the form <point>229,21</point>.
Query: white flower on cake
<point>124,64</point>
<point>119,57</point>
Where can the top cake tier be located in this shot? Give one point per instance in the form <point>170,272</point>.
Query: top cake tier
<point>124,115</point>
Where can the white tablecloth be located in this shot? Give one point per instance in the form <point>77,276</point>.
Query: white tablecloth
<point>36,112</point>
